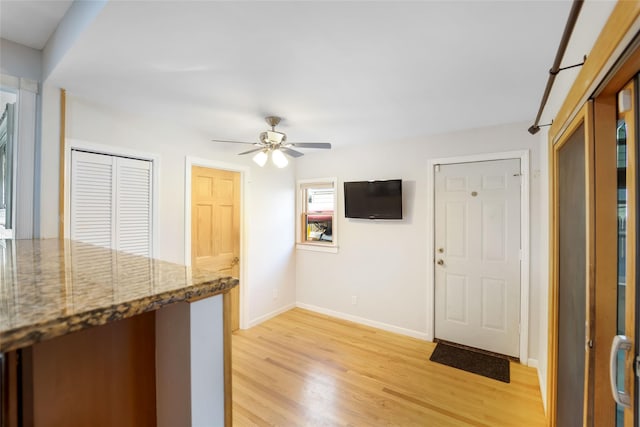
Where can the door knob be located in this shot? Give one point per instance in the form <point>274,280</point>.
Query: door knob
<point>440,262</point>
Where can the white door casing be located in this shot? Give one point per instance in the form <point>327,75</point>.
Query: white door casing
<point>477,254</point>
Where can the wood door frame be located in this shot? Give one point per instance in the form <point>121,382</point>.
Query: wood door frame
<point>525,227</point>
<point>244,172</point>
<point>583,118</point>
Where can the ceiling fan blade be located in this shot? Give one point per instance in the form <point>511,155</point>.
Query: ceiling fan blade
<point>234,142</point>
<point>311,144</point>
<point>292,153</point>
<point>251,151</point>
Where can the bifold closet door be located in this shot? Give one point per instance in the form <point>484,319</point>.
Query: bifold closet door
<point>111,202</point>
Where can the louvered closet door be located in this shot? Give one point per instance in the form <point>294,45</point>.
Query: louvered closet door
<point>111,203</point>
<point>133,218</point>
<point>92,198</point>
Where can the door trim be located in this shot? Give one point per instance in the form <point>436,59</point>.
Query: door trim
<point>523,156</point>
<point>244,172</point>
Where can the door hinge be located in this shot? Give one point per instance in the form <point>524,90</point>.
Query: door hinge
<point>637,366</point>
<point>436,168</point>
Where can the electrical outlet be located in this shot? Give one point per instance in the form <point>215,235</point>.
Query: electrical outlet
<point>275,294</point>
<point>354,300</point>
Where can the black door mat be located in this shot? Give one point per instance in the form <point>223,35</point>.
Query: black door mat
<point>488,366</point>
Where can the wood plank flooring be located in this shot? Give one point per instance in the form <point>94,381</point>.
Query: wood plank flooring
<point>306,369</point>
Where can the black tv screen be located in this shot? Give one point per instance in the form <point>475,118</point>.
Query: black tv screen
<point>373,199</point>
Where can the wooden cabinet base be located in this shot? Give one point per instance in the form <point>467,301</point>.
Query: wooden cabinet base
<point>102,376</point>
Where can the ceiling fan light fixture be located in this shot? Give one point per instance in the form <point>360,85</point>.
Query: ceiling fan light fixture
<point>261,158</point>
<point>279,159</point>
<point>275,143</point>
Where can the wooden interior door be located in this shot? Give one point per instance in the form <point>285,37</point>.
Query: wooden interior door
<point>215,226</point>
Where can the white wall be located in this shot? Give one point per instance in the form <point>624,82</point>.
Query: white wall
<point>207,362</point>
<point>269,214</point>
<point>78,17</point>
<point>20,61</point>
<point>383,263</point>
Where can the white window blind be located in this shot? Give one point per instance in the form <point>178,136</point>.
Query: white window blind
<point>111,203</point>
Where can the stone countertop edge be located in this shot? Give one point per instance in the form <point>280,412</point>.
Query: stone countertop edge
<point>13,339</point>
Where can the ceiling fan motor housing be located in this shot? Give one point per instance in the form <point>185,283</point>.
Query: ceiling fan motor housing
<point>272,137</point>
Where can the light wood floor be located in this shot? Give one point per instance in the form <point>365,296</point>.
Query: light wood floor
<point>306,369</point>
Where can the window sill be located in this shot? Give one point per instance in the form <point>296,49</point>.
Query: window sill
<point>317,247</point>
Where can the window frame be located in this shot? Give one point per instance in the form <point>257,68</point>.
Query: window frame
<point>318,246</point>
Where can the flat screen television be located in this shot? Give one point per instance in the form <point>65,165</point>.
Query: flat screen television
<point>373,199</point>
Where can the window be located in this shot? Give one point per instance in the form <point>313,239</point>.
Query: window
<point>317,228</point>
<point>7,160</point>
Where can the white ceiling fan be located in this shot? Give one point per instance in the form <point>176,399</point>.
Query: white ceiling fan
<point>275,143</point>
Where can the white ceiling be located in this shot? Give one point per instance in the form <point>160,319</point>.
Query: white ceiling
<point>344,72</point>
<point>31,23</point>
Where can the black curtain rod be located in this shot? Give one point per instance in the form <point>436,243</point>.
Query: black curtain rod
<point>555,69</point>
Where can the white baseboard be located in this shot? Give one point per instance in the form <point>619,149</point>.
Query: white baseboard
<point>364,321</point>
<point>268,316</point>
<point>542,384</point>
<point>543,390</point>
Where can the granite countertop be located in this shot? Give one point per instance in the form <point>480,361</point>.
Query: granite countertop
<point>52,287</point>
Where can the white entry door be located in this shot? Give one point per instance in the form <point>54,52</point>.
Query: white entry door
<point>477,254</point>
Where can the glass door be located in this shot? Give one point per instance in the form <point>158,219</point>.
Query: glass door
<point>624,348</point>
<point>621,169</point>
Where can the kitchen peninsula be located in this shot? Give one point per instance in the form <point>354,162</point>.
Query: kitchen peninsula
<point>92,336</point>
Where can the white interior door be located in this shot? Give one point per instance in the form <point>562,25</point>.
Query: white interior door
<point>477,254</point>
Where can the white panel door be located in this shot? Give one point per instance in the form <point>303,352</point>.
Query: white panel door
<point>477,255</point>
